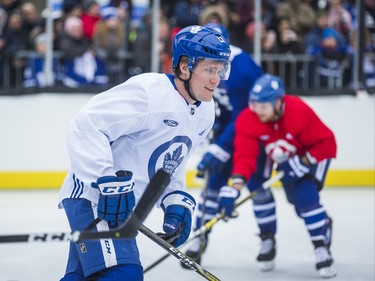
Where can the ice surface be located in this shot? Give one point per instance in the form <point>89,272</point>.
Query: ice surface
<point>232,247</point>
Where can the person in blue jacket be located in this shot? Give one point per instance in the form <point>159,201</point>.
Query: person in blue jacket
<point>231,97</point>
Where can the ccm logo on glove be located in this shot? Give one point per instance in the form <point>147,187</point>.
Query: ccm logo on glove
<point>112,188</point>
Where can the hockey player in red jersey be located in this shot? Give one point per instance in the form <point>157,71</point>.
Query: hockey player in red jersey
<point>282,130</point>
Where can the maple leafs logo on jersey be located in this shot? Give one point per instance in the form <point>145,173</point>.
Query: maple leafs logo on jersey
<point>171,162</point>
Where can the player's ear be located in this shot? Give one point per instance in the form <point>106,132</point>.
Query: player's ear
<point>184,70</point>
<point>279,103</point>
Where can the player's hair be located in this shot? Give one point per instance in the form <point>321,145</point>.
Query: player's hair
<point>177,70</point>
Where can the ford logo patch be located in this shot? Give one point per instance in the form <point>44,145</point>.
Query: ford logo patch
<point>170,123</point>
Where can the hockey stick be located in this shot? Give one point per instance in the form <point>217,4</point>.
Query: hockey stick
<point>205,175</point>
<point>155,188</point>
<point>208,225</point>
<point>178,254</point>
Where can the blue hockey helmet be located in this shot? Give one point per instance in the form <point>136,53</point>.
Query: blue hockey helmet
<point>199,42</point>
<point>267,88</point>
<point>220,28</point>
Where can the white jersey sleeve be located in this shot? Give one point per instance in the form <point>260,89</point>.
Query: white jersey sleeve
<point>140,125</point>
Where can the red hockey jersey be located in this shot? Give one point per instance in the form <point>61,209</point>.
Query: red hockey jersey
<point>299,131</point>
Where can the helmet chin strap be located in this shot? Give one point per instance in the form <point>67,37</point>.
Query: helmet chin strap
<point>187,86</point>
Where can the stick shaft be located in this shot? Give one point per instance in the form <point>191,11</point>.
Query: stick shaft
<point>177,254</point>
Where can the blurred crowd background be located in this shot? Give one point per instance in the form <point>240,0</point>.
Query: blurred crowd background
<point>97,44</point>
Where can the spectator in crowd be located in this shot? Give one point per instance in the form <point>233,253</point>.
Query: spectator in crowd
<point>214,14</point>
<point>31,21</point>
<point>34,74</point>
<point>220,13</point>
<point>9,5</point>
<point>314,37</point>
<point>233,25</point>
<point>167,7</point>
<point>245,10</point>
<point>142,46</point>
<point>58,26</point>
<point>165,43</point>
<point>3,19</point>
<point>187,12</point>
<point>30,17</point>
<point>81,66</point>
<point>109,41</point>
<point>267,38</point>
<point>339,18</point>
<point>90,16</point>
<point>72,9</point>
<point>14,39</point>
<point>287,43</point>
<point>3,22</point>
<point>123,8</point>
<point>369,44</point>
<point>299,14</point>
<point>318,4</point>
<point>369,62</point>
<point>287,38</point>
<point>333,57</point>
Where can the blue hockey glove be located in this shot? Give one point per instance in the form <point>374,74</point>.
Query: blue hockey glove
<point>178,207</point>
<point>116,199</point>
<point>294,169</point>
<point>227,199</point>
<point>214,159</point>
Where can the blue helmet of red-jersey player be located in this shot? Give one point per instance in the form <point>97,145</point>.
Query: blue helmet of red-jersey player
<point>219,27</point>
<point>199,42</point>
<point>267,88</point>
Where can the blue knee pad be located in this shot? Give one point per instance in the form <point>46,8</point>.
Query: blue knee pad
<point>133,272</point>
<point>303,194</point>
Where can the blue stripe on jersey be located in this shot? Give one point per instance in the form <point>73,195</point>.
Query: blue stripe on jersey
<point>78,188</point>
<point>81,190</point>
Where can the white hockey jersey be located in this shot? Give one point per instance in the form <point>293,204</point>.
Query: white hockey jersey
<point>140,125</point>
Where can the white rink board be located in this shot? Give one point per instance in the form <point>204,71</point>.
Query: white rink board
<point>35,130</point>
<point>232,247</point>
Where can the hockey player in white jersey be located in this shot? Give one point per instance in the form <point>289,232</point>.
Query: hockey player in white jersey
<point>122,136</point>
